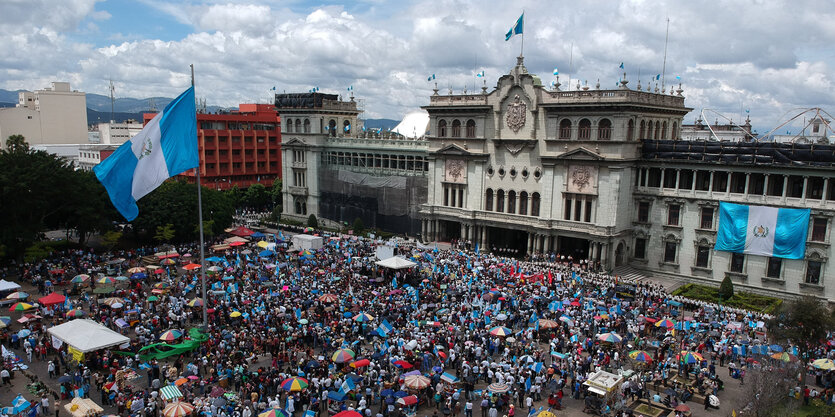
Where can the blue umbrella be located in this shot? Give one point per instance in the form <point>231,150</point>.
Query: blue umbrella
<point>24,333</point>
<point>387,392</point>
<point>347,314</point>
<point>336,395</point>
<point>266,253</point>
<point>139,275</point>
<point>401,394</point>
<point>776,348</point>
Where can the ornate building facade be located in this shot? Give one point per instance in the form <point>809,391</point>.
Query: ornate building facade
<point>586,173</point>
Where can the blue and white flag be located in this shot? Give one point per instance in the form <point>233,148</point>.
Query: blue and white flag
<point>165,147</point>
<point>480,74</point>
<point>759,230</point>
<point>431,77</point>
<point>385,327</point>
<point>517,28</point>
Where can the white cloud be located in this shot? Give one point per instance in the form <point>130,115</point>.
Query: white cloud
<point>768,56</point>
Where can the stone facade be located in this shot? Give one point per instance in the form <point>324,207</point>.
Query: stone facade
<point>525,169</point>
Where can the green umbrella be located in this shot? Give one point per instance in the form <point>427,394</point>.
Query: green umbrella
<point>153,298</point>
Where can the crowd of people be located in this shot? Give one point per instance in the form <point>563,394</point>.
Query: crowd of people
<point>316,332</point>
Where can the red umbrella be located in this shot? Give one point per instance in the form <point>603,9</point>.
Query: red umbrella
<point>52,299</point>
<point>408,400</point>
<point>347,413</point>
<point>360,363</point>
<point>191,267</point>
<point>403,364</point>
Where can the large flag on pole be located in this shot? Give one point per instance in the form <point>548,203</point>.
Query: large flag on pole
<point>759,230</point>
<point>516,29</point>
<point>166,147</point>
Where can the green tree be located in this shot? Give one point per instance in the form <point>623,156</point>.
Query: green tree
<point>359,226</point>
<point>726,289</point>
<point>17,144</point>
<point>803,321</point>
<point>164,233</point>
<point>257,197</point>
<point>275,192</point>
<point>208,229</point>
<point>111,238</point>
<point>312,221</point>
<point>235,196</point>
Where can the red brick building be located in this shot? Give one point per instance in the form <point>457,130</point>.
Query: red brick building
<point>240,148</point>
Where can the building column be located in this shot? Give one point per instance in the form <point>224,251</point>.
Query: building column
<point>529,247</point>
<point>825,190</point>
<point>484,243</point>
<point>463,232</point>
<point>678,177</point>
<point>766,182</point>
<point>604,258</point>
<point>710,186</point>
<point>785,185</point>
<point>423,228</point>
<point>747,180</point>
<point>591,250</point>
<point>805,187</point>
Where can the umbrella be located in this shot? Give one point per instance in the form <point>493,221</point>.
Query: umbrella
<point>416,382</point>
<point>235,314</point>
<point>24,333</point>
<point>343,355</point>
<point>328,298</point>
<point>610,337</point>
<point>162,285</point>
<point>347,413</point>
<point>111,300</point>
<point>640,356</point>
<point>671,392</point>
<point>20,306</point>
<point>294,384</point>
<point>76,313</point>
<point>17,295</point>
<point>139,275</point>
<point>104,290</point>
<point>666,323</point>
<point>713,400</point>
<point>170,335</point>
<point>500,331</point>
<point>180,381</point>
<point>548,324</point>
<point>117,305</point>
<point>196,302</point>
<point>80,278</point>
<point>387,392</point>
<point>501,317</point>
<point>690,357</point>
<point>776,348</point>
<point>213,269</point>
<point>177,409</point>
<point>363,317</point>
<point>785,357</point>
<point>361,363</point>
<point>169,262</point>
<point>170,392</point>
<point>153,298</point>
<point>498,388</point>
<point>273,412</point>
<point>136,270</point>
<point>449,378</point>
<point>683,408</point>
<point>545,413</point>
<point>403,364</point>
<point>825,364</point>
<point>64,378</point>
<point>106,281</point>
<point>191,267</point>
<point>408,400</point>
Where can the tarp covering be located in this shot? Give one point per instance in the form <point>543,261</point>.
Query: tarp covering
<point>302,100</point>
<point>396,262</point>
<point>86,335</point>
<point>390,181</point>
<point>83,407</point>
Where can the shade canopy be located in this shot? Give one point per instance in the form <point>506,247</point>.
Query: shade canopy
<point>8,285</point>
<point>86,335</point>
<point>51,299</point>
<point>396,263</point>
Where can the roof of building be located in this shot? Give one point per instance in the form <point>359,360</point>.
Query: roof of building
<point>759,153</point>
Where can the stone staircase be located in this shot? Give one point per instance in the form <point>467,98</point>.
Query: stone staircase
<point>630,275</point>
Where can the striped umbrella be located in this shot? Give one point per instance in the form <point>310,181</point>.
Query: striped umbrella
<point>273,412</point>
<point>196,302</point>
<point>170,392</point>
<point>416,382</point>
<point>294,384</point>
<point>18,295</point>
<point>177,409</point>
<point>170,335</point>
<point>498,388</point>
<point>110,301</point>
<point>106,280</point>
<point>640,356</point>
<point>610,337</point>
<point>76,313</point>
<point>548,324</point>
<point>501,331</point>
<point>136,270</point>
<point>328,298</point>
<point>690,357</point>
<point>343,355</point>
<point>363,317</point>
<point>162,285</point>
<point>666,323</point>
<point>20,306</point>
<point>79,279</point>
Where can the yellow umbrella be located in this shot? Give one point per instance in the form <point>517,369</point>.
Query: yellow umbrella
<point>825,364</point>
<point>235,314</point>
<point>262,244</point>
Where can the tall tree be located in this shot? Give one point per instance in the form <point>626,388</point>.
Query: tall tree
<point>257,197</point>
<point>804,322</point>
<point>17,143</point>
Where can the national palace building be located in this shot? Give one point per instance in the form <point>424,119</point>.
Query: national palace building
<point>603,175</point>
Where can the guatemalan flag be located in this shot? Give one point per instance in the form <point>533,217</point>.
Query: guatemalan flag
<point>166,147</point>
<point>766,231</point>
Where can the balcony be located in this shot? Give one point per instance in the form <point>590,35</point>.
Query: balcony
<point>517,220</point>
<point>301,191</point>
<point>300,165</point>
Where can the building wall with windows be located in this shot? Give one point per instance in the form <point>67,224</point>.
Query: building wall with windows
<point>55,115</point>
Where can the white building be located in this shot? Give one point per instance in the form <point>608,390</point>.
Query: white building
<point>113,133</point>
<point>91,155</point>
<point>52,116</point>
<point>603,175</point>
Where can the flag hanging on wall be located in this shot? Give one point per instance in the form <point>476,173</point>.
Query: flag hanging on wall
<point>760,230</point>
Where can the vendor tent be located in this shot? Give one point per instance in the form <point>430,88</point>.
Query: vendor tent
<point>83,407</point>
<point>301,242</point>
<point>51,299</point>
<point>241,231</point>
<point>86,335</point>
<point>8,285</point>
<point>235,239</point>
<point>396,263</point>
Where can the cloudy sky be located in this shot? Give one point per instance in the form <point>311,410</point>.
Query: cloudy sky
<point>768,56</point>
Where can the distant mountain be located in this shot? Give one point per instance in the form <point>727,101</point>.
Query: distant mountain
<point>94,117</point>
<point>101,103</point>
<point>384,124</point>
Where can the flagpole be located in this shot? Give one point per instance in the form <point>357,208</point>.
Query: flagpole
<point>522,47</point>
<point>200,219</point>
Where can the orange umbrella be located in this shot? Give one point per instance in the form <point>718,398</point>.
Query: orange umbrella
<point>180,381</point>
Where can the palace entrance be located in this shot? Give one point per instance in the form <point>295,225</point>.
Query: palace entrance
<point>575,247</point>
<point>508,242</point>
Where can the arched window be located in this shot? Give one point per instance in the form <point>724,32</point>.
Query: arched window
<point>298,125</point>
<point>523,203</point>
<point>565,129</point>
<point>471,128</point>
<point>442,128</point>
<point>604,129</point>
<point>657,130</point>
<point>675,131</point>
<point>488,200</point>
<point>630,130</point>
<point>500,201</point>
<point>584,132</point>
<point>346,127</point>
<point>332,127</point>
<point>664,130</point>
<point>535,204</point>
<point>511,202</point>
<point>643,131</point>
<point>456,128</point>
<point>289,125</point>
<point>306,125</point>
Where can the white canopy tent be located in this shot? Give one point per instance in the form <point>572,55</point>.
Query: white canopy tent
<point>396,262</point>
<point>8,285</point>
<point>86,335</point>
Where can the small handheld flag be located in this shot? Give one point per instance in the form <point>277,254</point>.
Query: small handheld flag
<point>431,77</point>
<point>165,147</point>
<point>517,28</point>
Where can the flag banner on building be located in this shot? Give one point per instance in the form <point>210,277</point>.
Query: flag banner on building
<point>759,230</point>
<point>167,146</point>
<point>517,28</point>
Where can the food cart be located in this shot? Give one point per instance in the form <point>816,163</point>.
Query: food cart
<point>604,390</point>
